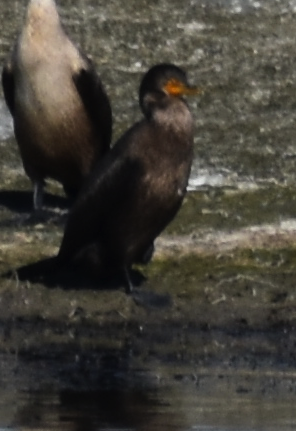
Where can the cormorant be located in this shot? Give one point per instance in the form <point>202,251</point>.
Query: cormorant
<point>61,112</point>
<point>137,189</point>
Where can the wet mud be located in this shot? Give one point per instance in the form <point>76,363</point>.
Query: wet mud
<point>227,282</point>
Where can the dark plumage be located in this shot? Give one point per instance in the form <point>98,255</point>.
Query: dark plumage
<point>62,115</point>
<point>137,189</point>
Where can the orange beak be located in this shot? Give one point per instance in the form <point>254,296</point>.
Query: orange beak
<point>178,88</point>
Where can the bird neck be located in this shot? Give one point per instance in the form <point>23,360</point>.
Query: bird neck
<point>42,18</point>
<point>174,117</point>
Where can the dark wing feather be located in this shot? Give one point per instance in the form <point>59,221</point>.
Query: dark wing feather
<point>95,100</point>
<point>8,86</point>
<point>108,188</point>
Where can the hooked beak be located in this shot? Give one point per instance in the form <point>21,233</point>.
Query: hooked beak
<point>178,88</point>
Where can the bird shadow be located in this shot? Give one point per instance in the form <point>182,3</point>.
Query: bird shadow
<point>80,277</point>
<point>77,275</point>
<point>21,203</point>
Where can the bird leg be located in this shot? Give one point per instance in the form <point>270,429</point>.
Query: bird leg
<point>38,195</point>
<point>129,285</point>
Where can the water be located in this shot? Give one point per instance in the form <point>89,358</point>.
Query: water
<point>136,399</point>
<point>136,410</point>
<point>242,53</point>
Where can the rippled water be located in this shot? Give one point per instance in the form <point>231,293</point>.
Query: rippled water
<point>242,52</point>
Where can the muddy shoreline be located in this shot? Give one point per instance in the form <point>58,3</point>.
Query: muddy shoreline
<point>209,297</point>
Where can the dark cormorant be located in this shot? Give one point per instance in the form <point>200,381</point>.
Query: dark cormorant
<point>62,115</point>
<point>139,186</point>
